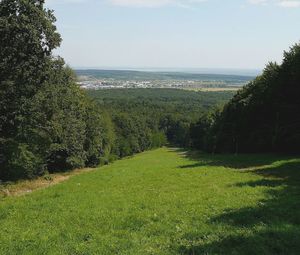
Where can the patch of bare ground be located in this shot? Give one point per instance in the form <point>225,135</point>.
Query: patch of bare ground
<point>24,187</point>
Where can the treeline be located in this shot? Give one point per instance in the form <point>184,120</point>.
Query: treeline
<point>264,116</point>
<point>47,123</point>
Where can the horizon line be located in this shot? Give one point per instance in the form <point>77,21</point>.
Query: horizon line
<point>194,70</point>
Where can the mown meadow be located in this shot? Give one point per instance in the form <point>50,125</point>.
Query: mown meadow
<point>165,201</point>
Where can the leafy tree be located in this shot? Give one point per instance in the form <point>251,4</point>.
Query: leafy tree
<point>47,123</point>
<point>27,37</point>
<point>265,115</point>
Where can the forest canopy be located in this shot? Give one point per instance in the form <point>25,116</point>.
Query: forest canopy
<point>264,116</point>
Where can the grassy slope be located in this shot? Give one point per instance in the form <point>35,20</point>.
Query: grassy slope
<point>162,202</point>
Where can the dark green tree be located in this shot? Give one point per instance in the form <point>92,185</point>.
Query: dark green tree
<point>47,123</point>
<point>265,115</point>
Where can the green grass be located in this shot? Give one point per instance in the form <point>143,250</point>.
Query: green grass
<point>162,202</point>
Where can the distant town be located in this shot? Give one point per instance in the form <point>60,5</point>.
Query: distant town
<point>99,79</point>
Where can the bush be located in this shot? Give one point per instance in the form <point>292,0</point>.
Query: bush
<point>23,163</point>
<point>158,139</point>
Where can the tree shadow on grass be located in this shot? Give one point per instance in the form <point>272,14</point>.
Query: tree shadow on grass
<point>269,242</point>
<point>240,161</point>
<point>272,226</point>
<point>260,183</point>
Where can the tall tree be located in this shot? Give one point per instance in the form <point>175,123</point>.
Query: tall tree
<point>265,115</point>
<point>45,118</point>
<point>27,37</point>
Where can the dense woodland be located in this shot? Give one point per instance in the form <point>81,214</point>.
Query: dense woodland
<point>156,116</point>
<point>49,124</point>
<point>265,115</point>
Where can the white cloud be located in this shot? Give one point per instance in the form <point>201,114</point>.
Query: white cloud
<point>178,3</point>
<point>136,3</point>
<point>281,3</point>
<point>155,3</point>
<point>191,3</point>
<point>289,3</point>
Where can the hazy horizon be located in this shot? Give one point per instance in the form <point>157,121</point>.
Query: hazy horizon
<point>221,71</point>
<point>175,34</point>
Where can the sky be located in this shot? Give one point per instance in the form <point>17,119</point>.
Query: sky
<point>137,34</point>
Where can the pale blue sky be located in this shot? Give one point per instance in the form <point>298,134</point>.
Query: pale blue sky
<point>176,33</point>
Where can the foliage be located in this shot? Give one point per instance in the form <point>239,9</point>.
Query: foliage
<point>27,37</point>
<point>24,163</point>
<point>265,115</point>
<point>158,139</point>
<point>47,123</point>
<point>262,117</point>
<point>149,118</point>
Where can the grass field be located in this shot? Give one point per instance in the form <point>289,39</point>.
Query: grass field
<point>162,202</point>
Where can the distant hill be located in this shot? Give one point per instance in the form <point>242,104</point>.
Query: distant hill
<point>143,76</point>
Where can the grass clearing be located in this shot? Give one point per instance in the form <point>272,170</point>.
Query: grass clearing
<point>162,202</point>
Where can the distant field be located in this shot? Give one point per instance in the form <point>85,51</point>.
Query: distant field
<point>164,202</point>
<point>140,75</point>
